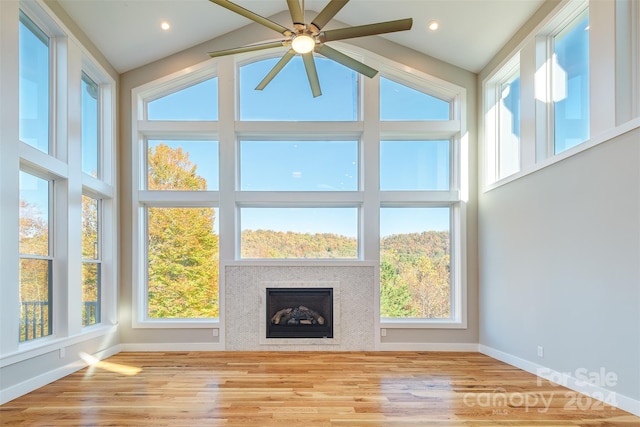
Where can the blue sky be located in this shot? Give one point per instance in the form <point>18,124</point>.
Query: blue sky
<point>318,165</point>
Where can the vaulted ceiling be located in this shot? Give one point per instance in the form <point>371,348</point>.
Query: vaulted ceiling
<point>128,32</point>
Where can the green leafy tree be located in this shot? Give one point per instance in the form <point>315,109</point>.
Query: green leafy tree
<point>183,247</point>
<point>421,263</point>
<point>395,299</point>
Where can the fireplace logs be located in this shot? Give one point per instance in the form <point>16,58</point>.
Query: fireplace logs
<point>297,316</point>
<point>288,312</point>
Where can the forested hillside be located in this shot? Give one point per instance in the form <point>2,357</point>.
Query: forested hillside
<point>414,272</point>
<point>279,244</point>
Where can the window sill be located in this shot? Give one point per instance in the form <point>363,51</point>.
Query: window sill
<point>177,324</point>
<point>42,346</point>
<point>388,323</point>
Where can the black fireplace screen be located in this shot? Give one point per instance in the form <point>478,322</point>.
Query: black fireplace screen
<point>299,312</point>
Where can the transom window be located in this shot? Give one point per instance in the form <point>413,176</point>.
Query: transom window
<point>537,104</point>
<point>288,96</point>
<point>299,165</point>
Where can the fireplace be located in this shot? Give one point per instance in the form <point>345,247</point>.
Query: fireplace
<point>299,312</point>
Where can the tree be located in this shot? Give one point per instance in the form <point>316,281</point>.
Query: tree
<point>90,270</point>
<point>182,245</point>
<point>34,272</point>
<point>420,262</point>
<point>395,299</point>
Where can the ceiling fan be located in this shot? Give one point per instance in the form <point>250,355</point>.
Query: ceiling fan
<point>304,39</point>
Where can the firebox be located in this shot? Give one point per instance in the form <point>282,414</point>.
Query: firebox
<point>299,313</point>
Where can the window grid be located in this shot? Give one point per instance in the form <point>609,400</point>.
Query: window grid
<point>283,197</point>
<point>51,104</point>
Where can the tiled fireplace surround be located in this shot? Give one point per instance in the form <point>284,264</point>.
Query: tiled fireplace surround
<point>353,317</point>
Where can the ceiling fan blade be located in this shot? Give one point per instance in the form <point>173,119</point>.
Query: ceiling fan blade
<point>276,69</point>
<point>249,48</point>
<point>253,16</point>
<point>328,13</point>
<point>312,74</point>
<point>296,12</point>
<point>366,30</point>
<point>345,60</point>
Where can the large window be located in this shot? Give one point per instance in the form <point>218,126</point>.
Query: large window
<point>58,192</point>
<point>301,188</point>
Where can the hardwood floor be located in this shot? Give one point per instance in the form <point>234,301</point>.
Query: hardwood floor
<point>306,389</point>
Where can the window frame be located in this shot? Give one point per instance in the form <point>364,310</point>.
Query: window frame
<point>368,129</point>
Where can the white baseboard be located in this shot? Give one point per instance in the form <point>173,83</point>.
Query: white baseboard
<point>35,383</point>
<point>571,382</point>
<point>459,347</point>
<point>152,347</point>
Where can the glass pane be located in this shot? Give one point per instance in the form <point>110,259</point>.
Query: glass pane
<point>35,298</point>
<point>34,85</point>
<point>34,215</point>
<point>288,96</point>
<point>571,84</point>
<point>509,122</point>
<point>90,228</point>
<point>90,293</point>
<point>182,263</point>
<point>299,165</point>
<point>415,263</point>
<point>90,141</point>
<point>197,102</point>
<point>400,102</point>
<point>414,165</point>
<point>299,233</point>
<point>170,165</point>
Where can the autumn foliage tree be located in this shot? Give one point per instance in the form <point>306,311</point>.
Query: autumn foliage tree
<point>415,275</point>
<point>90,266</point>
<point>182,244</point>
<point>34,272</point>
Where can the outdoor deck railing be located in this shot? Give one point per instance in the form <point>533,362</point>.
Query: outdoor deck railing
<point>35,322</point>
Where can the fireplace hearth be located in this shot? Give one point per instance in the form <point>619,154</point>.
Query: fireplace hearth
<point>299,313</point>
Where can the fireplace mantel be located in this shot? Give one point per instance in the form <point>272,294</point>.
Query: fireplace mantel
<point>353,311</point>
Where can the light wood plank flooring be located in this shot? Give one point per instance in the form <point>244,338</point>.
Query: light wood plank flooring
<point>306,389</point>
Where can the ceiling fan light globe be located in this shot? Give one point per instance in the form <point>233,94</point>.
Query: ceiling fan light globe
<point>303,44</point>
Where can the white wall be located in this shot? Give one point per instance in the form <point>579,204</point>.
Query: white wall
<point>559,264</point>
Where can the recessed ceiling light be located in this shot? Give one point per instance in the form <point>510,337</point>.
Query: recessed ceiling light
<point>165,25</point>
<point>433,25</point>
